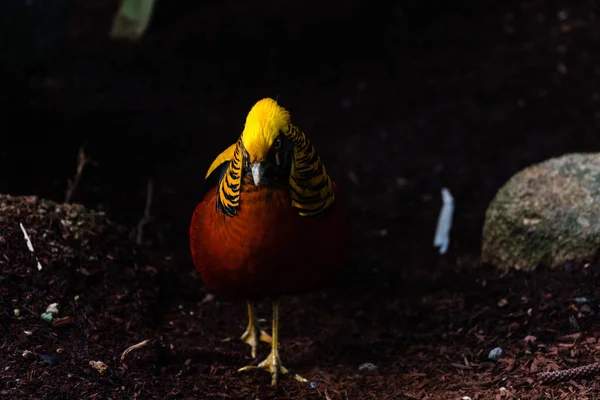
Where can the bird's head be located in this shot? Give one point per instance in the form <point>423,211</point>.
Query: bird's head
<point>267,151</point>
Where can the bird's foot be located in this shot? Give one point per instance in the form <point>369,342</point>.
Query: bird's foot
<point>253,335</point>
<point>273,365</point>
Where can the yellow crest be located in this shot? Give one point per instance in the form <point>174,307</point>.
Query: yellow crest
<point>311,187</point>
<point>263,124</point>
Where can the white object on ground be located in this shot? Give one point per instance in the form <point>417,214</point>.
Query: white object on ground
<point>52,308</point>
<point>442,232</point>
<point>30,246</point>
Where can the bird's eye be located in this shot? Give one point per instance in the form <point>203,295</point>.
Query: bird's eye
<point>277,144</point>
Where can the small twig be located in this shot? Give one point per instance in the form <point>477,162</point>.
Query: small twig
<point>30,246</point>
<point>571,373</point>
<point>64,321</point>
<point>134,347</point>
<point>147,217</point>
<point>82,161</point>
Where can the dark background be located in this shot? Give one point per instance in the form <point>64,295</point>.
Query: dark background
<point>406,97</point>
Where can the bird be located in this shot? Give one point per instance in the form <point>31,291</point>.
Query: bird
<point>271,223</point>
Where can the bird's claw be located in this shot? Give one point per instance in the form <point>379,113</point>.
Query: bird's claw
<point>253,335</point>
<point>273,365</point>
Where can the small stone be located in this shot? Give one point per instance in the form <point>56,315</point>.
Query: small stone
<point>99,366</point>
<point>52,308</point>
<point>502,302</point>
<point>313,385</point>
<point>581,300</point>
<point>47,317</point>
<point>28,333</point>
<point>367,367</point>
<point>495,354</point>
<point>60,350</point>
<point>17,312</point>
<point>28,355</point>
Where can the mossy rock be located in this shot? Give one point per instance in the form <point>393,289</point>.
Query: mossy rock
<point>546,214</point>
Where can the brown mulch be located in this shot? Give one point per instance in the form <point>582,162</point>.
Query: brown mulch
<point>433,95</point>
<point>427,337</point>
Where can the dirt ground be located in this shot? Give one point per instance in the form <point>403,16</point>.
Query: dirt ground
<point>431,95</point>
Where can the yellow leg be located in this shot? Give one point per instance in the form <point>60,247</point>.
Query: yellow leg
<point>253,332</point>
<point>273,363</point>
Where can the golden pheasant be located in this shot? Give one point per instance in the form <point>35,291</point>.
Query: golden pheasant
<point>271,225</point>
